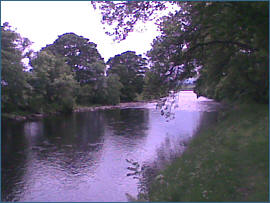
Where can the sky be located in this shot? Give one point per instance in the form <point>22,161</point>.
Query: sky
<point>43,21</point>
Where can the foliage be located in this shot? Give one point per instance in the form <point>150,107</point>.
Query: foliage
<point>14,87</point>
<point>224,50</point>
<point>53,82</point>
<point>131,70</point>
<point>114,87</point>
<point>85,94</point>
<point>84,59</point>
<point>124,15</point>
<point>220,43</point>
<point>81,55</point>
<point>61,75</point>
<point>154,87</point>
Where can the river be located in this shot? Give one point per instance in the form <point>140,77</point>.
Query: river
<point>82,156</point>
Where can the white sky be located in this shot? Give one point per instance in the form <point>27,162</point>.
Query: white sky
<point>43,21</point>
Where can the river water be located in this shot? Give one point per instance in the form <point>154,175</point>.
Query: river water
<point>82,156</point>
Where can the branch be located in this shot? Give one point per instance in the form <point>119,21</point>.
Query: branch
<point>241,45</point>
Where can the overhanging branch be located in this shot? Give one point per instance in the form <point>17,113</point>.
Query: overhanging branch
<point>240,45</point>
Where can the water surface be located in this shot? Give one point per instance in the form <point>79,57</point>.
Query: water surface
<point>82,156</point>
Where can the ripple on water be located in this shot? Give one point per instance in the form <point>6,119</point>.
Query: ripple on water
<point>82,156</point>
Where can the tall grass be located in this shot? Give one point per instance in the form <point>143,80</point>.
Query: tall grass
<point>226,162</point>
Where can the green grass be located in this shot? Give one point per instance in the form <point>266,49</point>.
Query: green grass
<point>226,162</point>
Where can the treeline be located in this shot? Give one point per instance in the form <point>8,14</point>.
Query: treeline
<point>224,45</point>
<point>64,74</point>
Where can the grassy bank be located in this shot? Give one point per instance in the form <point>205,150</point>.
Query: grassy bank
<point>226,162</point>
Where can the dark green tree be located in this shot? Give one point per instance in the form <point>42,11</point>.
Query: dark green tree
<point>113,89</point>
<point>154,87</point>
<point>53,82</point>
<point>14,87</point>
<point>131,70</point>
<point>84,59</point>
<point>122,16</point>
<point>226,50</point>
<point>81,55</point>
<point>224,43</point>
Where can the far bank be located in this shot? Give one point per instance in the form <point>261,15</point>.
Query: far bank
<point>21,116</point>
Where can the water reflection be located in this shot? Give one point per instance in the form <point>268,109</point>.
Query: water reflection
<point>82,157</point>
<point>70,158</point>
<point>128,122</point>
<point>126,128</point>
<point>14,159</point>
<point>170,148</point>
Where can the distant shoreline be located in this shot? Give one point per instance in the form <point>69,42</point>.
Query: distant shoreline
<point>37,116</point>
<point>120,105</point>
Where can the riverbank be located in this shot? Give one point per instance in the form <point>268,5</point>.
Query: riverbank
<point>22,116</point>
<point>104,107</point>
<point>226,162</point>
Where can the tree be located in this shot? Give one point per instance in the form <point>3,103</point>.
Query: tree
<point>114,87</point>
<point>228,48</point>
<point>14,87</point>
<point>53,82</point>
<point>223,43</point>
<point>154,87</point>
<point>81,55</point>
<point>131,69</point>
<point>84,59</point>
<point>124,15</point>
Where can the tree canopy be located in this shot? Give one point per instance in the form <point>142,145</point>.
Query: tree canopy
<point>85,61</point>
<point>62,75</point>
<point>53,83</point>
<point>122,16</point>
<point>131,70</point>
<point>223,44</point>
<point>80,54</point>
<point>14,49</point>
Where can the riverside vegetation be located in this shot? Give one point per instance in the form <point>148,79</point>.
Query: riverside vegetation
<point>228,62</point>
<point>66,74</point>
<point>226,162</point>
<point>222,45</point>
